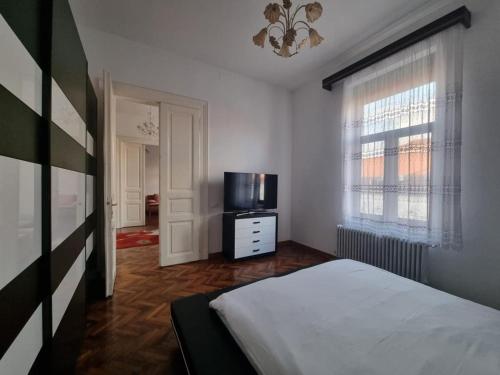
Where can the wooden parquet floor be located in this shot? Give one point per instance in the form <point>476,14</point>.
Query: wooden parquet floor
<point>131,332</point>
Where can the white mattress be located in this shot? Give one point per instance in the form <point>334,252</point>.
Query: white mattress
<point>345,317</point>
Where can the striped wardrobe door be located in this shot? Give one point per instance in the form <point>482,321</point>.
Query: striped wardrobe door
<point>47,186</point>
<point>23,154</point>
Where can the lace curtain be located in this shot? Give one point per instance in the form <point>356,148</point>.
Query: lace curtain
<point>402,139</point>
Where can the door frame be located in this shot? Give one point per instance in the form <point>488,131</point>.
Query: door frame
<point>108,177</point>
<point>149,96</point>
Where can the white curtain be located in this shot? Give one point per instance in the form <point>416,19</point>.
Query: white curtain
<point>402,139</point>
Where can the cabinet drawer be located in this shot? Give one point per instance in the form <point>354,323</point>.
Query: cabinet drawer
<point>265,230</point>
<point>255,240</point>
<point>255,222</point>
<point>247,251</point>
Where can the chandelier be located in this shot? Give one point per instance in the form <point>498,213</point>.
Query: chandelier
<point>284,28</point>
<point>148,127</point>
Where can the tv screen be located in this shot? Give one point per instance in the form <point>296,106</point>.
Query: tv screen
<point>250,191</point>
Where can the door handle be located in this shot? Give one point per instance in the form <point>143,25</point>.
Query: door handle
<point>255,251</point>
<point>256,222</point>
<point>256,231</point>
<point>255,241</point>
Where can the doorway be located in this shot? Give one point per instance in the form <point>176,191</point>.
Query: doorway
<point>180,208</point>
<point>138,175</point>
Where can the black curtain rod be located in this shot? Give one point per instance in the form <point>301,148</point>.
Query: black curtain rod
<point>461,15</point>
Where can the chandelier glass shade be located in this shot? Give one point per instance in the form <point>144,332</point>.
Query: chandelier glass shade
<point>148,127</point>
<point>287,31</point>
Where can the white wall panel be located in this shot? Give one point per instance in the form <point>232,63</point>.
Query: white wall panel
<point>23,351</point>
<point>19,73</point>
<point>62,295</point>
<point>68,203</point>
<point>20,216</point>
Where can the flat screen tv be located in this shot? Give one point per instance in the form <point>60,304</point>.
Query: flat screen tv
<point>250,191</point>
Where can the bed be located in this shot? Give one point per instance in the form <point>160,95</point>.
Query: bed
<point>341,317</point>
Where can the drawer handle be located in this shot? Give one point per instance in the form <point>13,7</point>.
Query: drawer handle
<point>256,222</point>
<point>256,231</point>
<point>255,251</point>
<point>255,241</point>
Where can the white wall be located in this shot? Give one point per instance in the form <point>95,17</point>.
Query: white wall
<point>316,166</point>
<point>473,273</point>
<point>249,121</point>
<point>152,170</point>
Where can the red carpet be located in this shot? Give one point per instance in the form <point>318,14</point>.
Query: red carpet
<point>136,239</point>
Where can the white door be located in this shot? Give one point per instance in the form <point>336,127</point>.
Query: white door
<point>180,177</point>
<point>132,166</point>
<point>110,183</point>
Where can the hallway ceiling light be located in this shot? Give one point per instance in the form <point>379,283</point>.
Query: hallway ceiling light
<point>284,28</point>
<point>148,127</point>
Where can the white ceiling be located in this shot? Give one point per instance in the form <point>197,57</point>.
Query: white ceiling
<point>219,32</point>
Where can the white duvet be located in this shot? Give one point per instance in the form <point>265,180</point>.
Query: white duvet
<point>347,318</point>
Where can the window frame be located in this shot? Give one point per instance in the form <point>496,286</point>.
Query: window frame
<point>390,139</point>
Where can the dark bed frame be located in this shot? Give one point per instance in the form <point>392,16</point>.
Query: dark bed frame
<point>207,346</point>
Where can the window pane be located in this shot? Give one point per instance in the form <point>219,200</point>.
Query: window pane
<point>372,203</point>
<point>413,107</point>
<point>414,163</point>
<point>372,178</point>
<point>412,207</point>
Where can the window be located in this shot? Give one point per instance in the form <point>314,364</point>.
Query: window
<point>386,121</point>
<point>402,139</point>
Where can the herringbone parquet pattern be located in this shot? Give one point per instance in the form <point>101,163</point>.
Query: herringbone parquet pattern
<point>131,333</point>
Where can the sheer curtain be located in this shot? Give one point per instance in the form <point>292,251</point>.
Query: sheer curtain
<point>402,139</point>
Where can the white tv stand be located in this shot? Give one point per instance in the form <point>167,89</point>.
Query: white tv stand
<point>249,234</point>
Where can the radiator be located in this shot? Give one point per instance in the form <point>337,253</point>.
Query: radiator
<point>401,257</point>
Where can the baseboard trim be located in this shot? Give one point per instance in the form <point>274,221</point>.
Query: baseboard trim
<point>286,243</point>
<point>309,248</point>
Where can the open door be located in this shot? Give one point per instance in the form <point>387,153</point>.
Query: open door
<point>109,183</point>
<point>132,166</point>
<point>180,179</point>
